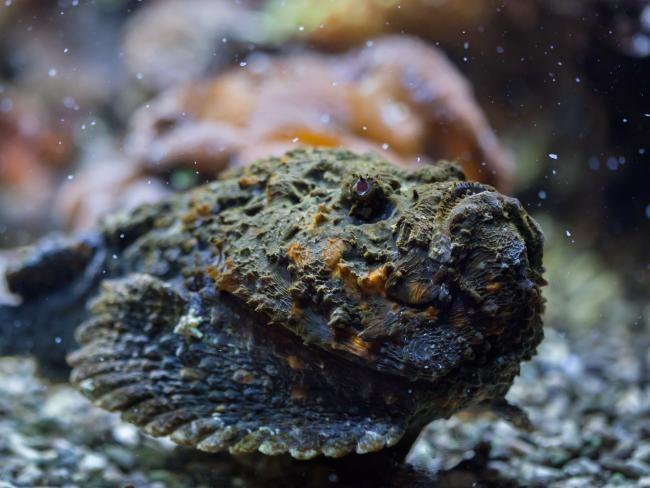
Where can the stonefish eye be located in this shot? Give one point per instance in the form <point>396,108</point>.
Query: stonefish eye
<point>367,197</point>
<point>361,187</point>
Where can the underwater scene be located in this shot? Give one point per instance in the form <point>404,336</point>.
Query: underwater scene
<point>342,243</point>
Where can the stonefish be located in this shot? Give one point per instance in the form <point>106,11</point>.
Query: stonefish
<point>321,303</point>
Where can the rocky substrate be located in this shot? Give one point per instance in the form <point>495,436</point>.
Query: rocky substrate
<point>588,398</point>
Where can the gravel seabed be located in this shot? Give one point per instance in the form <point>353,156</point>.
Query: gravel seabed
<point>588,399</point>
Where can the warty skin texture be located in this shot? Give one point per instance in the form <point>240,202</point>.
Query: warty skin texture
<point>322,303</point>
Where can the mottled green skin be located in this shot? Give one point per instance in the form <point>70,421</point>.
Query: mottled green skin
<point>321,303</point>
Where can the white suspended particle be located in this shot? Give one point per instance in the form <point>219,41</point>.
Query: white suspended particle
<point>552,155</point>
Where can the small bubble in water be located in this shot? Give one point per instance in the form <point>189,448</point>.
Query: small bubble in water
<point>542,195</point>
<point>58,340</point>
<point>552,155</point>
<point>568,233</point>
<point>114,256</point>
<point>243,64</point>
<point>52,72</point>
<point>70,177</point>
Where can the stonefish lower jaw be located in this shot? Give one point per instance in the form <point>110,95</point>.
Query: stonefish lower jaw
<point>322,303</point>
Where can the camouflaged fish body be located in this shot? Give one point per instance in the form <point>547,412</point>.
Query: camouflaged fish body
<point>320,303</point>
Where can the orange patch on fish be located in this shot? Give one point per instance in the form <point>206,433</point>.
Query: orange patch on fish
<point>417,291</point>
<point>224,276</point>
<point>374,282</point>
<point>493,287</point>
<point>333,252</point>
<point>318,219</point>
<point>298,254</point>
<point>354,345</point>
<point>248,181</point>
<point>198,210</point>
<point>294,363</point>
